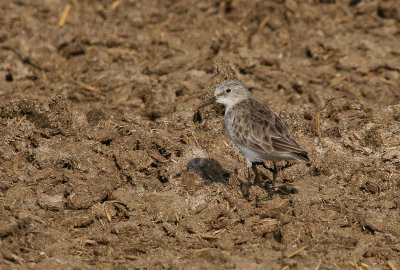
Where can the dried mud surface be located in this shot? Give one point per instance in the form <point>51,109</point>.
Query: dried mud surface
<point>102,165</point>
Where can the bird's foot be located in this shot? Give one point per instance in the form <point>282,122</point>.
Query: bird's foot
<point>270,188</point>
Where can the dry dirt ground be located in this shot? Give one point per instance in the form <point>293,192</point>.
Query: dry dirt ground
<point>102,165</point>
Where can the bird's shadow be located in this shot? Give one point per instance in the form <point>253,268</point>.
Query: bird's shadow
<point>286,190</point>
<point>209,170</point>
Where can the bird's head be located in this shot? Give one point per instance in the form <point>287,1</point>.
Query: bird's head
<point>228,93</point>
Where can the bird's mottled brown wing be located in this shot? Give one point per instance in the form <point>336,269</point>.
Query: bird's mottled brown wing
<point>258,128</point>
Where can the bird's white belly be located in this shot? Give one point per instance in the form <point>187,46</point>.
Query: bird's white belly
<point>255,156</point>
<point>249,154</point>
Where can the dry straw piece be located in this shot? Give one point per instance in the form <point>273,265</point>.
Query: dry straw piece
<point>64,15</point>
<point>293,253</point>
<point>116,4</point>
<point>392,265</point>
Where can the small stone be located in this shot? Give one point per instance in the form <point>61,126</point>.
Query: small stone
<point>51,202</point>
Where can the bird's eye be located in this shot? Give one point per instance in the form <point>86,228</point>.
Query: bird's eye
<point>228,90</point>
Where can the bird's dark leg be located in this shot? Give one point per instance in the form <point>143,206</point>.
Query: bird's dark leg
<point>257,180</point>
<point>262,163</point>
<point>245,186</point>
<point>274,174</point>
<point>274,171</point>
<point>271,187</point>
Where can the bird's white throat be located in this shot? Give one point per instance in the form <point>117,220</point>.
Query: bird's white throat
<point>228,102</point>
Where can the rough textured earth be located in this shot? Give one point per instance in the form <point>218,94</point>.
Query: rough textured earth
<point>103,166</point>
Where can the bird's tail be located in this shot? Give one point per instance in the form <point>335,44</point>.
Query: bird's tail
<point>303,155</point>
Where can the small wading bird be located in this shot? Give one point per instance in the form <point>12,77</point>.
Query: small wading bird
<point>257,132</point>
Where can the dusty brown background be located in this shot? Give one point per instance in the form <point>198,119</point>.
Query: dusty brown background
<point>101,165</point>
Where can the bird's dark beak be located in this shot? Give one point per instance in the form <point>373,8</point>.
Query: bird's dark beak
<point>206,103</point>
<point>197,115</point>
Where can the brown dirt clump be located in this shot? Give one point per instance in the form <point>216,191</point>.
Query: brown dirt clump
<point>102,165</point>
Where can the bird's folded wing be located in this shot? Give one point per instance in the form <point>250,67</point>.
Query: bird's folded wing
<point>282,140</point>
<point>264,132</point>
